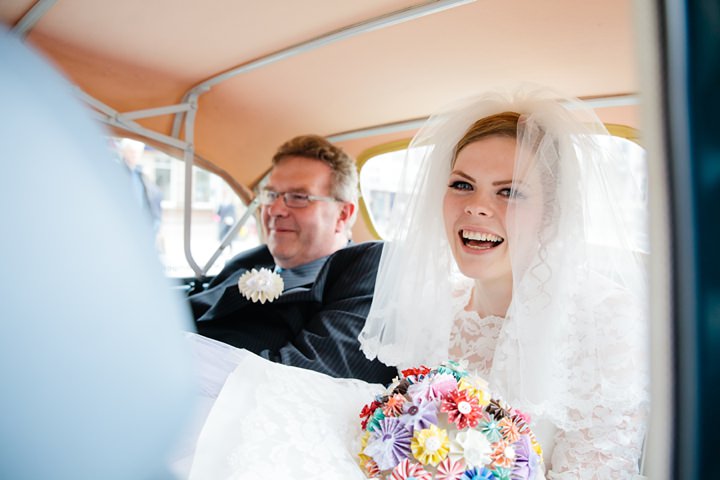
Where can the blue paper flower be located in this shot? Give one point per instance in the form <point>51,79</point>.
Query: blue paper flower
<point>477,473</point>
<point>491,429</point>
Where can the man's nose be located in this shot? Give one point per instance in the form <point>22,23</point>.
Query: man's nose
<point>277,207</point>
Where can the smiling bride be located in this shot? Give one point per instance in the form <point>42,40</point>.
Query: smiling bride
<point>513,255</point>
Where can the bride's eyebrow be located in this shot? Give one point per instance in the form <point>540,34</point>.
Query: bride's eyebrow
<point>497,183</point>
<point>460,173</point>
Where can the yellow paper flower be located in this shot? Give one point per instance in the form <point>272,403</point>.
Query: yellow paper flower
<point>476,387</point>
<point>536,446</point>
<point>363,443</point>
<point>261,285</point>
<point>430,445</point>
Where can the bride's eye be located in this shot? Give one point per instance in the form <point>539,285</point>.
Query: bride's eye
<point>509,192</point>
<point>460,185</point>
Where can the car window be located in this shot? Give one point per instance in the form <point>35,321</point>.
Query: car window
<point>158,186</point>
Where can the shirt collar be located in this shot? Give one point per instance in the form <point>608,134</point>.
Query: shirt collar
<point>301,274</point>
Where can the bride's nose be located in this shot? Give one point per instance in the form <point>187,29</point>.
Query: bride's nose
<point>479,208</point>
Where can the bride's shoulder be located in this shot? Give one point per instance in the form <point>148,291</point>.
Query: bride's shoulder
<point>613,296</point>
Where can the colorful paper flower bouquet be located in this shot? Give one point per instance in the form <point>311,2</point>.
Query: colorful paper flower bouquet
<point>444,424</point>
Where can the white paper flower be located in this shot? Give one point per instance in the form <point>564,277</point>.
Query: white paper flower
<point>472,446</point>
<point>261,285</point>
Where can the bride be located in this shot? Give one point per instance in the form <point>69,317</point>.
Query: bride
<point>513,254</point>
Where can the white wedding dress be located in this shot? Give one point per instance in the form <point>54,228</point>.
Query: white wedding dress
<point>610,447</point>
<point>275,421</point>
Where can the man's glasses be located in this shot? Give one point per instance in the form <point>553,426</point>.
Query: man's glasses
<point>292,199</point>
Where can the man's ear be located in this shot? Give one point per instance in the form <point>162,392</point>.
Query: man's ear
<point>346,213</point>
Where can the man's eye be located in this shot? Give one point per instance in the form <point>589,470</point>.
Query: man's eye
<point>269,195</point>
<point>297,196</point>
<point>460,185</point>
<point>511,193</point>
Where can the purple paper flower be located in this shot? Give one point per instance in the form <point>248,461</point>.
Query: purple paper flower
<point>526,460</point>
<point>419,414</point>
<point>389,444</point>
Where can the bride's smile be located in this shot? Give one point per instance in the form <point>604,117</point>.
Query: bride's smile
<point>476,240</point>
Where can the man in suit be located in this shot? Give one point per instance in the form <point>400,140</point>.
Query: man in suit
<point>308,206</point>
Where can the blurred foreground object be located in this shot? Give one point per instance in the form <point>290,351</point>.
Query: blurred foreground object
<point>96,379</point>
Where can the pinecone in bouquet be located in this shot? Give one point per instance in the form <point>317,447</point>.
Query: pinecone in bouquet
<point>444,424</point>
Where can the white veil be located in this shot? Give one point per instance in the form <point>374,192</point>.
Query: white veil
<point>575,332</point>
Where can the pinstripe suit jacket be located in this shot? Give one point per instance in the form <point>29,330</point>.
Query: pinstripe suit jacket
<point>314,324</point>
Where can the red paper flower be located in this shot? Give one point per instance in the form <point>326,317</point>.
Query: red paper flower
<point>509,430</point>
<point>415,372</point>
<point>372,469</point>
<point>367,412</point>
<point>503,454</point>
<point>406,470</point>
<point>394,405</point>
<point>521,422</point>
<point>524,416</point>
<point>462,409</point>
<point>449,470</point>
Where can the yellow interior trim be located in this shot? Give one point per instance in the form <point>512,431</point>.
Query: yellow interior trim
<point>623,131</point>
<point>366,155</point>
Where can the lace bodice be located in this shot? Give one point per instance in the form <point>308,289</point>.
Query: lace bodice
<point>610,447</point>
<point>473,339</point>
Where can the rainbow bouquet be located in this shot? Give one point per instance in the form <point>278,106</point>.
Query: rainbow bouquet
<point>444,424</point>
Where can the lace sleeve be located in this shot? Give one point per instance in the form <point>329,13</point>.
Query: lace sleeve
<point>609,434</point>
<point>611,448</point>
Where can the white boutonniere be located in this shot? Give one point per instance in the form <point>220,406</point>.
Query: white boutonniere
<point>261,285</point>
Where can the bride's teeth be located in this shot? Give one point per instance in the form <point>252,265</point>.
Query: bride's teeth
<point>481,236</point>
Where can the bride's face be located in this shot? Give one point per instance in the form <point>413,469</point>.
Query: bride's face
<point>479,195</point>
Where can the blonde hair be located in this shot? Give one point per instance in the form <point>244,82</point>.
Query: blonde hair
<point>501,124</point>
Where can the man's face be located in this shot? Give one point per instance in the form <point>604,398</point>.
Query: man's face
<point>296,236</point>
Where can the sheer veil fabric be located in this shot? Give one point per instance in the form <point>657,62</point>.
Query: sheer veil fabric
<point>574,337</point>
